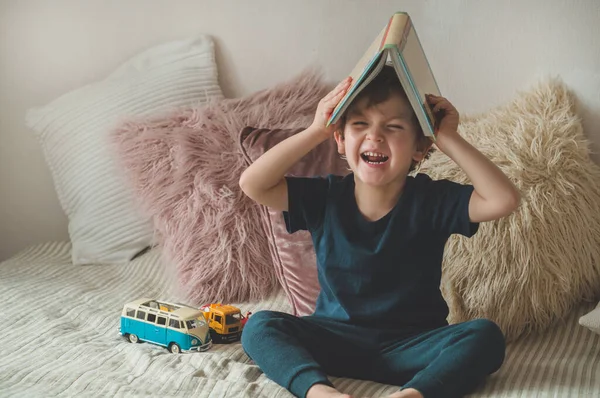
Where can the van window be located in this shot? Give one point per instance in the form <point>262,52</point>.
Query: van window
<point>162,320</point>
<point>218,318</point>
<point>151,318</point>
<point>195,323</point>
<point>131,312</point>
<point>174,323</point>
<point>141,315</point>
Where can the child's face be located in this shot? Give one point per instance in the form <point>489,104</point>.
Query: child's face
<point>380,142</point>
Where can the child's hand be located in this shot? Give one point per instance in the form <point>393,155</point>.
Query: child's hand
<point>328,104</point>
<point>447,117</point>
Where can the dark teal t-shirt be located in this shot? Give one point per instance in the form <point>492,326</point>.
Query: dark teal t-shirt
<point>384,273</point>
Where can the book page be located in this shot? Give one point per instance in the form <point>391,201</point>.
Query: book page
<point>369,74</point>
<point>416,62</point>
<point>368,57</point>
<point>418,78</point>
<point>359,74</point>
<point>420,108</point>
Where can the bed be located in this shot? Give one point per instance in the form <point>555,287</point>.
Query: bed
<point>60,325</point>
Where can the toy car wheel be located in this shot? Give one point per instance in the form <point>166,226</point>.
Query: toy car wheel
<point>133,338</point>
<point>174,348</point>
<point>215,337</point>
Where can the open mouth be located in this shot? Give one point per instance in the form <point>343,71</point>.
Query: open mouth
<point>374,157</point>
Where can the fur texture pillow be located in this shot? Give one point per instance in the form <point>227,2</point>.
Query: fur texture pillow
<point>185,168</point>
<point>529,269</point>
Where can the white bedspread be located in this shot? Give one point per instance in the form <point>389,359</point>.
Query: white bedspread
<point>59,327</point>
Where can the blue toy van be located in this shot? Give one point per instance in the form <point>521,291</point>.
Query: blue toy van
<point>175,326</point>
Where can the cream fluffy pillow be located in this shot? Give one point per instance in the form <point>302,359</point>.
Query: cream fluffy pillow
<point>528,269</point>
<point>74,130</point>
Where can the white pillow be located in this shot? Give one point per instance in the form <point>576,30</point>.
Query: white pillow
<point>74,130</point>
<point>591,320</point>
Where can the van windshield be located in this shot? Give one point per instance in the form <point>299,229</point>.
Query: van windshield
<point>195,323</point>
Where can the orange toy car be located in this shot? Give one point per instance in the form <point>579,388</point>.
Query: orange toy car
<point>225,322</point>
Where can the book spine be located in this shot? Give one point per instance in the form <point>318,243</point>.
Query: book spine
<point>384,38</point>
<point>397,31</point>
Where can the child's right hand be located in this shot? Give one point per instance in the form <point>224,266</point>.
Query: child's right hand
<point>328,104</point>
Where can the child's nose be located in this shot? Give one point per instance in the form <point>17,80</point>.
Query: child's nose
<point>375,133</point>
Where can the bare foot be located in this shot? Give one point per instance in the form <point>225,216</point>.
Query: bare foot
<point>324,391</point>
<point>408,393</point>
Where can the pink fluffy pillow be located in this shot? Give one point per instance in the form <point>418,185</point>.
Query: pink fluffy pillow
<point>185,169</point>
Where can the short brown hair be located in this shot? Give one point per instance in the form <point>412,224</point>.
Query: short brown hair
<point>379,90</point>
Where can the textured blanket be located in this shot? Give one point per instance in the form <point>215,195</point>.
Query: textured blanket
<point>59,326</point>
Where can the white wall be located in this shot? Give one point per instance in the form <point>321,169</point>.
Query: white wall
<point>482,51</point>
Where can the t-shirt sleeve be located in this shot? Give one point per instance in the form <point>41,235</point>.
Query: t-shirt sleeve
<point>449,207</point>
<point>307,197</point>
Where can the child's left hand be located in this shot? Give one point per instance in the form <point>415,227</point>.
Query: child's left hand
<point>447,116</point>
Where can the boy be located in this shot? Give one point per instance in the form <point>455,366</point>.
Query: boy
<point>379,236</point>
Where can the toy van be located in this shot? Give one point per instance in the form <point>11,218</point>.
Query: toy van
<point>175,326</point>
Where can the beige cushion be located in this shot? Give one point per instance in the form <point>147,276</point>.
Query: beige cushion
<point>529,269</point>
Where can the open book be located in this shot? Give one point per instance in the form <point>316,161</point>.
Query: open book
<point>399,45</point>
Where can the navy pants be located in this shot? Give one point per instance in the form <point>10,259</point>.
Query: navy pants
<point>298,352</point>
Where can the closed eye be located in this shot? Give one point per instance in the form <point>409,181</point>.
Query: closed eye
<point>394,126</point>
<point>359,123</point>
